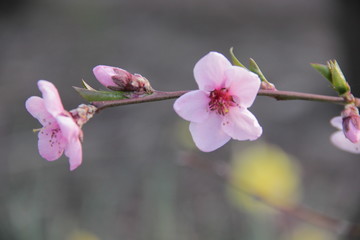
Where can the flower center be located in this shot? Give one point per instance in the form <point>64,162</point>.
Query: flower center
<point>221,101</point>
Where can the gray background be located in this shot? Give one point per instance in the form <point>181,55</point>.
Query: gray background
<point>130,185</point>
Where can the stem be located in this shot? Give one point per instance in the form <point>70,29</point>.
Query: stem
<point>289,95</point>
<point>156,96</point>
<point>278,95</point>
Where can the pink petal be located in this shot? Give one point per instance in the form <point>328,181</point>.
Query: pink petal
<point>241,124</point>
<point>242,84</point>
<point>51,97</point>
<point>337,122</point>
<point>352,133</point>
<point>70,130</point>
<point>339,140</point>
<point>193,106</point>
<point>104,74</point>
<point>74,152</point>
<point>51,143</point>
<point>35,106</point>
<point>71,133</point>
<point>209,71</point>
<point>208,135</point>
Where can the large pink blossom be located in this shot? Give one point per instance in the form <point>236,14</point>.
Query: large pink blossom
<point>59,131</point>
<point>345,142</point>
<point>218,110</point>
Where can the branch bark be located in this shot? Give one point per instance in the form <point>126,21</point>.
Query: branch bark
<point>278,95</point>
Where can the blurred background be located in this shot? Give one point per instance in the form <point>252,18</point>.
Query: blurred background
<point>133,183</point>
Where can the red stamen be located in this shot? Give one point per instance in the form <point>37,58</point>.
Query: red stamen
<point>221,101</point>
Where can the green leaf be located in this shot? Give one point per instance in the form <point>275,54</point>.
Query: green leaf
<point>324,70</point>
<point>94,95</point>
<point>234,60</point>
<point>255,69</point>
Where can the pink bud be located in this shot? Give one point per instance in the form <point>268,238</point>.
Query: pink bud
<point>351,128</point>
<point>118,79</point>
<point>111,77</point>
<point>351,123</point>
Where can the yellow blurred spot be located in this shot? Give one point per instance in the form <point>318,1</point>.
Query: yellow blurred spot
<point>183,135</point>
<point>267,172</point>
<point>37,130</point>
<point>310,232</point>
<point>82,235</point>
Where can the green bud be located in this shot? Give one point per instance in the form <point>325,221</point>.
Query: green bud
<point>339,82</point>
<point>234,60</point>
<point>333,73</point>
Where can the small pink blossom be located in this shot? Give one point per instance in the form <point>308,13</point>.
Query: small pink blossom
<point>351,128</point>
<point>59,132</point>
<point>106,75</point>
<point>351,123</point>
<point>118,79</point>
<point>218,110</point>
<point>341,140</point>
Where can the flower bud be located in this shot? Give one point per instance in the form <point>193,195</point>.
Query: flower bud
<point>334,75</point>
<point>118,79</point>
<point>351,123</point>
<point>338,80</point>
<point>111,76</point>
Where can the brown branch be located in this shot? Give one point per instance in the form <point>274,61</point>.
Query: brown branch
<point>156,96</point>
<point>278,95</point>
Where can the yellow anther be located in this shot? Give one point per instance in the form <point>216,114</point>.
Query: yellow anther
<point>37,130</point>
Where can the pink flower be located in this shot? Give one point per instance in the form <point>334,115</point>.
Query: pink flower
<point>340,140</point>
<point>59,132</point>
<point>218,110</point>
